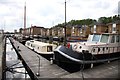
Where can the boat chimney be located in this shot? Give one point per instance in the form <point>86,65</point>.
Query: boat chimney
<point>114,28</point>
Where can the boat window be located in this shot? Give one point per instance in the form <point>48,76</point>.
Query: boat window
<point>117,38</point>
<point>96,37</point>
<point>49,49</point>
<point>90,38</point>
<point>31,41</point>
<point>104,38</point>
<point>28,44</point>
<point>113,39</point>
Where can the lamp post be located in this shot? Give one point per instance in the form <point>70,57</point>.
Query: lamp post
<point>24,19</point>
<point>65,26</point>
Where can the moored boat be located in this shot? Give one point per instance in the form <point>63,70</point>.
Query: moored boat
<point>98,48</point>
<point>23,39</point>
<point>41,47</point>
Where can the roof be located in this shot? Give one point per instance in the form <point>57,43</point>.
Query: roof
<point>36,27</point>
<point>42,43</point>
<point>117,22</point>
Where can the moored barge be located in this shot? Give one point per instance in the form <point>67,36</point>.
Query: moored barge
<point>98,48</point>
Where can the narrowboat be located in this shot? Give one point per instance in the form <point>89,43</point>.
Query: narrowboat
<point>40,47</point>
<point>23,39</point>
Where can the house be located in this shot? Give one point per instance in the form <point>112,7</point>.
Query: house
<point>61,32</point>
<point>54,31</point>
<point>33,30</point>
<point>99,28</point>
<point>80,30</point>
<point>114,27</point>
<point>85,30</point>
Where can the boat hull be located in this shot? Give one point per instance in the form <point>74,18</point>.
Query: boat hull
<point>67,57</point>
<point>68,64</point>
<point>45,55</point>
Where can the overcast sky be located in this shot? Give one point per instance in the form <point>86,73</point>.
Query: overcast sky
<point>47,13</point>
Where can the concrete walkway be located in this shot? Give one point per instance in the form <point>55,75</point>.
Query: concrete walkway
<point>31,63</point>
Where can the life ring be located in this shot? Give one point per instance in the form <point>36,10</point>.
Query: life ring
<point>75,46</point>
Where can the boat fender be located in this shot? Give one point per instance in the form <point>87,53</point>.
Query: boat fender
<point>75,46</point>
<point>68,45</point>
<point>51,60</point>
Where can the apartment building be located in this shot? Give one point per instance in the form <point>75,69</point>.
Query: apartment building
<point>114,27</point>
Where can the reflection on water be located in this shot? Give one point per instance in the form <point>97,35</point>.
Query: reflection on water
<point>14,67</point>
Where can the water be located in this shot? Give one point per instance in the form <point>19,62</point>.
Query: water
<point>15,68</point>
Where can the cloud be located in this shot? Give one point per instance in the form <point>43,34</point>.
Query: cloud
<point>49,13</point>
<point>119,7</point>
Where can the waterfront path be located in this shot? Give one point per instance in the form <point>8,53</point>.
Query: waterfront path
<point>31,60</point>
<point>106,70</point>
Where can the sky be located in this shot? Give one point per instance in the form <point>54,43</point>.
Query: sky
<point>48,13</point>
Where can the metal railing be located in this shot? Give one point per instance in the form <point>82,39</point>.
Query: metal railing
<point>3,58</point>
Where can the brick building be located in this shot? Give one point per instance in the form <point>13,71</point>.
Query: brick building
<point>114,27</point>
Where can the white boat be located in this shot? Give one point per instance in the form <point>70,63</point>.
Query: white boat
<point>99,44</point>
<point>41,47</point>
<point>98,48</point>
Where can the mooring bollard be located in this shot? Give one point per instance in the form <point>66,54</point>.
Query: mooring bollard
<point>18,48</point>
<point>51,60</point>
<point>108,61</point>
<point>38,73</point>
<point>91,65</point>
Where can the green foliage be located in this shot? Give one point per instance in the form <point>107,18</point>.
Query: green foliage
<point>106,20</point>
<point>82,22</point>
<point>102,20</point>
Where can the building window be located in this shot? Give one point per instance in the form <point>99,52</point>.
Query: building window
<point>73,30</point>
<point>94,28</point>
<point>114,28</point>
<point>81,30</point>
<point>117,38</point>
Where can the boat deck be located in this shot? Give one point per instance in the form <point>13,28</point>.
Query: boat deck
<point>31,63</point>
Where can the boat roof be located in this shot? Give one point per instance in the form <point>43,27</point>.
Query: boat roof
<point>42,43</point>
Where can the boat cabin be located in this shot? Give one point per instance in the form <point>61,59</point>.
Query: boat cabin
<point>41,47</point>
<point>99,44</point>
<point>104,38</point>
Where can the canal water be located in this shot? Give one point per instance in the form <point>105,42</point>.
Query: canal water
<point>14,67</point>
